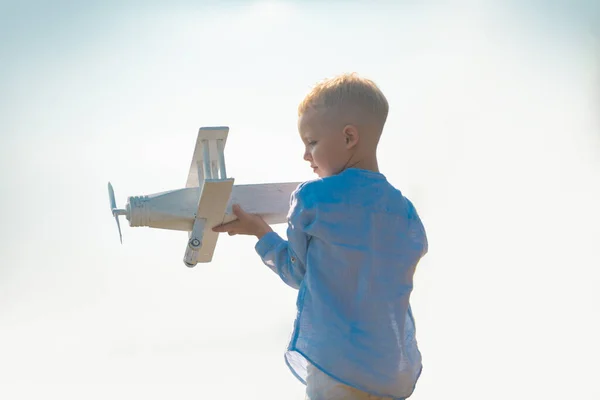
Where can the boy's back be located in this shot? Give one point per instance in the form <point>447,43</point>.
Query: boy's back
<point>354,322</point>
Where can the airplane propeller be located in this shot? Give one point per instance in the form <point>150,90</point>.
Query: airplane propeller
<point>114,210</point>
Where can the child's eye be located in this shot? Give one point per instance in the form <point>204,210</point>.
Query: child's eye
<point>312,143</point>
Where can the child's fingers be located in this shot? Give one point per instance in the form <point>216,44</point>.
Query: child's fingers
<point>238,212</point>
<point>237,226</point>
<point>228,227</point>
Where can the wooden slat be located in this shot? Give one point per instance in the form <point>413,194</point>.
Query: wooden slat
<point>213,203</point>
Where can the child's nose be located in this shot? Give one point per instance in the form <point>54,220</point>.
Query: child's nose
<point>307,155</point>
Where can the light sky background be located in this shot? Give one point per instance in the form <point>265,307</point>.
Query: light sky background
<point>493,133</point>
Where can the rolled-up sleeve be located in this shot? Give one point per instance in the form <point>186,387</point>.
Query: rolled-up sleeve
<point>287,258</point>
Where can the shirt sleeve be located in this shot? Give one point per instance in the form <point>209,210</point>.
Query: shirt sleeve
<point>287,258</point>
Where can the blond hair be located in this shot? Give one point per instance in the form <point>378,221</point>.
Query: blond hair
<point>347,91</point>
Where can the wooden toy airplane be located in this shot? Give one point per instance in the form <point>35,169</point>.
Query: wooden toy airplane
<point>206,200</point>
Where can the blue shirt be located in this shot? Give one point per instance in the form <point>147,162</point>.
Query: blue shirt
<point>354,242</point>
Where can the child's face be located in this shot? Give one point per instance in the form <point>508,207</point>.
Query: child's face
<point>325,144</point>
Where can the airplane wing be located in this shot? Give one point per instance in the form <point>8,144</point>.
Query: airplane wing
<point>269,200</point>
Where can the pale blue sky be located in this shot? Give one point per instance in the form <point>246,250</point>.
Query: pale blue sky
<point>493,133</point>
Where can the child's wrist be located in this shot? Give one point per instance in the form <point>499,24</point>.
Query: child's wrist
<point>262,232</point>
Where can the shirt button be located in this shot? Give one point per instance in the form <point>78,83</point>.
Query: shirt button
<point>293,259</point>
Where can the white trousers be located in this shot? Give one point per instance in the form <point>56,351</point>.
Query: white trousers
<point>320,386</point>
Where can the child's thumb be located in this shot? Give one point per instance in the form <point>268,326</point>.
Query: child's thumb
<point>237,211</point>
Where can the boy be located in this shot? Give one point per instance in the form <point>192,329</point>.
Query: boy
<point>353,245</point>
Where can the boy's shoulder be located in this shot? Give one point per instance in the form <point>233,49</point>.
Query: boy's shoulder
<point>307,191</point>
<point>351,185</point>
<point>321,187</point>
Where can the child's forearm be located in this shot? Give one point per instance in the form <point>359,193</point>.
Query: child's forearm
<point>277,255</point>
<point>288,258</point>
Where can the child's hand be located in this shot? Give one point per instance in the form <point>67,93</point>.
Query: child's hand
<point>246,224</point>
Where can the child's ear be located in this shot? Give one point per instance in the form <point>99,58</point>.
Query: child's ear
<point>350,136</point>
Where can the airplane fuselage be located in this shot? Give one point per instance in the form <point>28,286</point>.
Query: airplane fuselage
<point>176,209</point>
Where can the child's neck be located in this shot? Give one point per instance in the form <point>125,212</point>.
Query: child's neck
<point>366,164</point>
